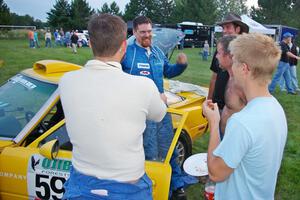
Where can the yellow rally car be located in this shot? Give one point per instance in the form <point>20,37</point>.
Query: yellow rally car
<point>35,151</point>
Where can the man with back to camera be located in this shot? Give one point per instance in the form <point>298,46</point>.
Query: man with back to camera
<point>246,162</point>
<point>144,59</point>
<point>232,25</point>
<point>107,136</point>
<point>283,65</point>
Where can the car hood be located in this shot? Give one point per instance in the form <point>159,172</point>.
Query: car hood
<point>165,38</point>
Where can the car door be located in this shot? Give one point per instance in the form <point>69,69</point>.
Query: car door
<point>160,170</point>
<point>24,172</point>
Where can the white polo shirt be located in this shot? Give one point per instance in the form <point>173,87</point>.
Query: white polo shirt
<point>105,111</point>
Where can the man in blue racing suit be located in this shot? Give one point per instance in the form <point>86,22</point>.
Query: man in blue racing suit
<point>144,59</point>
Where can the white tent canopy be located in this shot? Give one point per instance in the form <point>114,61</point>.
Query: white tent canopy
<point>254,26</point>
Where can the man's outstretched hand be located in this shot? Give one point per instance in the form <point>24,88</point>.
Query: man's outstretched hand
<point>181,58</point>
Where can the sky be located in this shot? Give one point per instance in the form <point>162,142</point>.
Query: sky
<point>39,8</point>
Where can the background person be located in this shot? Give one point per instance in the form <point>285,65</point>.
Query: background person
<point>108,159</point>
<point>31,38</point>
<point>68,39</point>
<point>48,39</point>
<point>144,59</point>
<point>283,65</point>
<point>293,69</point>
<point>205,51</point>
<point>36,39</point>
<point>232,25</point>
<point>246,162</point>
<point>74,40</point>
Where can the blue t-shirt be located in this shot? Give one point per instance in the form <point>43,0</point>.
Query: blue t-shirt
<point>253,146</point>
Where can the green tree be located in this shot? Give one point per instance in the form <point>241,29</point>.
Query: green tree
<point>39,24</point>
<point>274,12</point>
<point>112,9</point>
<point>231,6</point>
<point>147,8</point>
<point>25,20</point>
<point>80,14</point>
<point>164,11</point>
<point>104,9</point>
<point>178,14</point>
<point>115,9</point>
<point>131,10</point>
<point>200,11</point>
<point>59,15</point>
<point>4,13</point>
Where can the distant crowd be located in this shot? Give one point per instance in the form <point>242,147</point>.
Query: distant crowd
<point>71,39</point>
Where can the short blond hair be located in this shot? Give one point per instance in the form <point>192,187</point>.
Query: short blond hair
<point>259,52</point>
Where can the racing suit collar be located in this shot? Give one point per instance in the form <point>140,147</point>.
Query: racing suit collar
<point>147,49</point>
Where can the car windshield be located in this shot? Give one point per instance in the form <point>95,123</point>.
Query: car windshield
<point>21,97</point>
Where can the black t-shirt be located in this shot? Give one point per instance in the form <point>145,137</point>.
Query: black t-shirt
<point>74,38</point>
<point>221,82</point>
<point>214,66</point>
<point>293,61</point>
<point>284,49</point>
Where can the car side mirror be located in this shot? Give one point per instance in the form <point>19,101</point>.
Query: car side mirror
<point>50,149</point>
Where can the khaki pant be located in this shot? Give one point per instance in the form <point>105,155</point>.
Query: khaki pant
<point>74,47</point>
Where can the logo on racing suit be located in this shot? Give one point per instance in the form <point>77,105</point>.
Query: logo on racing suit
<point>143,66</point>
<point>145,73</point>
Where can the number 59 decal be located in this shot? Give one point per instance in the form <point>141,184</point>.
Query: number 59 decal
<point>46,177</point>
<point>49,187</point>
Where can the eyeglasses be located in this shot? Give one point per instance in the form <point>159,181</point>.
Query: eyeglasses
<point>145,32</point>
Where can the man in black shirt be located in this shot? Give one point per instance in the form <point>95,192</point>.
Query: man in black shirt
<point>232,25</point>
<point>74,40</point>
<point>293,69</point>
<point>283,65</point>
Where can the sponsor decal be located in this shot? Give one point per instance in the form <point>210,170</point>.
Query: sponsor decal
<point>19,79</point>
<point>12,175</point>
<point>144,73</point>
<point>143,66</point>
<point>45,177</point>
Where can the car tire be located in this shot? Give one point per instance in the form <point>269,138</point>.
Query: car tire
<point>184,147</point>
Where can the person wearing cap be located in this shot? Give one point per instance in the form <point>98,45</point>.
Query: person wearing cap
<point>293,69</point>
<point>232,25</point>
<point>283,65</point>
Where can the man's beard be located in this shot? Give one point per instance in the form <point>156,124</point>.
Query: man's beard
<point>146,41</point>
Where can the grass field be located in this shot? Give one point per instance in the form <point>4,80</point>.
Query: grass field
<point>17,56</point>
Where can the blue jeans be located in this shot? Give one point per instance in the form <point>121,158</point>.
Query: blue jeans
<point>157,140</point>
<point>282,71</point>
<point>158,137</point>
<point>204,55</point>
<point>82,187</point>
<point>293,73</point>
<point>48,42</point>
<point>31,43</point>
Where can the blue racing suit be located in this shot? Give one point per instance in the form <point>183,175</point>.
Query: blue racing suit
<point>155,66</point>
<point>157,136</point>
<point>82,187</point>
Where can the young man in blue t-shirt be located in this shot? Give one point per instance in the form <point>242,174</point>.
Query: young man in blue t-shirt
<point>246,163</point>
